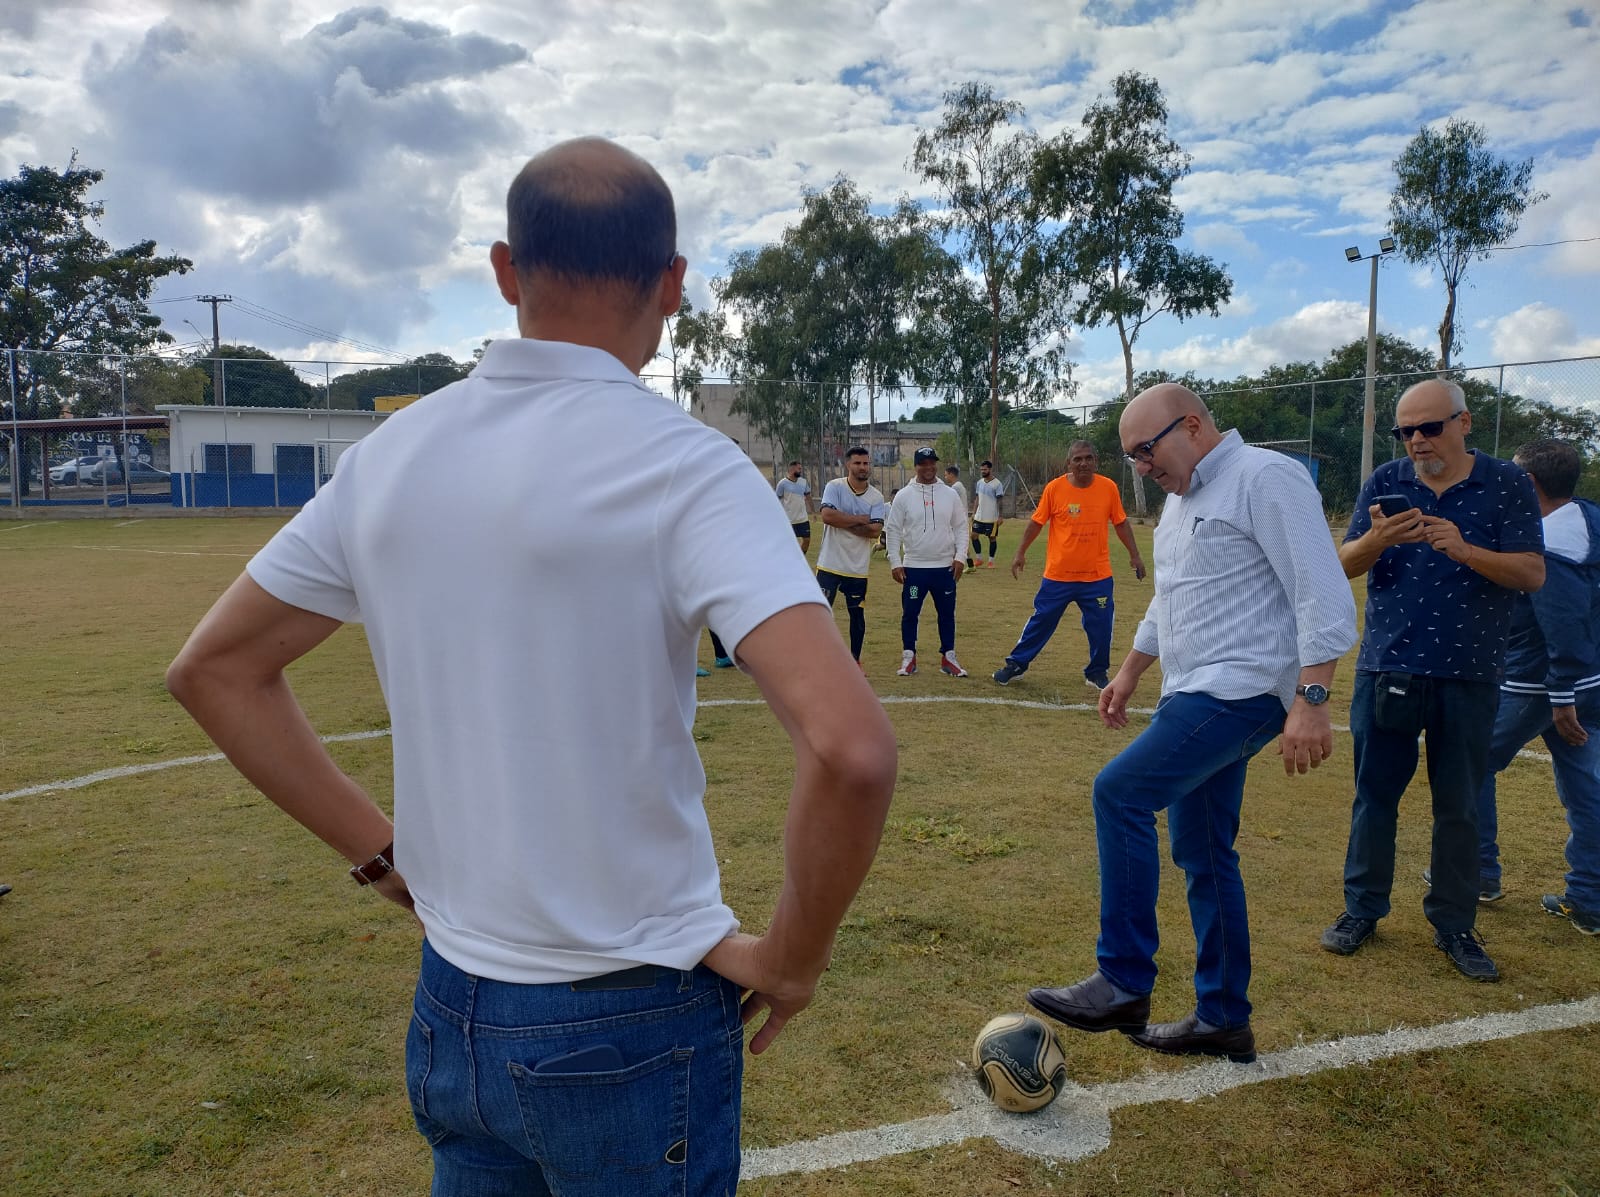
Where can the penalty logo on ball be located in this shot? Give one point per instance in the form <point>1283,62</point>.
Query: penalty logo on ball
<point>1019,1062</point>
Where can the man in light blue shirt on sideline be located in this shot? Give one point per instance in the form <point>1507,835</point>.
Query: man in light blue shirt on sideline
<point>1242,660</point>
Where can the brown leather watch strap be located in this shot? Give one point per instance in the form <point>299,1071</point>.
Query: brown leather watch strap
<point>379,866</point>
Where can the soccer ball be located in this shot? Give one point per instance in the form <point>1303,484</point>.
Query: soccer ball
<point>1019,1062</point>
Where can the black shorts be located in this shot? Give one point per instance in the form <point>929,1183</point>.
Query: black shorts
<point>854,589</point>
<point>982,529</point>
<point>802,530</point>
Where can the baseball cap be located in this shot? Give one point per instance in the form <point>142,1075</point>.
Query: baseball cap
<point>924,454</point>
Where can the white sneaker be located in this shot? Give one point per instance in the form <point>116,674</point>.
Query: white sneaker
<point>949,664</point>
<point>908,663</point>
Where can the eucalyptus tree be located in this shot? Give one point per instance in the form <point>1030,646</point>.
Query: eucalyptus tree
<point>1454,200</point>
<point>1111,184</point>
<point>982,160</point>
<point>841,298</point>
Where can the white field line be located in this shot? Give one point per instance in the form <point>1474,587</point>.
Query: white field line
<point>1078,1124</point>
<point>116,548</point>
<point>21,528</point>
<point>88,779</point>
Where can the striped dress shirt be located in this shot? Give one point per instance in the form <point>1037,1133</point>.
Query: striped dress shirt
<point>1248,586</point>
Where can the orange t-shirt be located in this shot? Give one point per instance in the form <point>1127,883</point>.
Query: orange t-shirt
<point>1079,548</point>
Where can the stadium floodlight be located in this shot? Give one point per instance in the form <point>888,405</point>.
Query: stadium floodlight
<point>1354,254</point>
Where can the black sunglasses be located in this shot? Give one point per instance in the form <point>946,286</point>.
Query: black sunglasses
<point>1147,451</point>
<point>1428,428</point>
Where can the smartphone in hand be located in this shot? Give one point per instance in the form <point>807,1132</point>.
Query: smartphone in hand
<point>1392,505</point>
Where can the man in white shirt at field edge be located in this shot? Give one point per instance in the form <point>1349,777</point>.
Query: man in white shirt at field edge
<point>549,826</point>
<point>852,518</point>
<point>926,535</point>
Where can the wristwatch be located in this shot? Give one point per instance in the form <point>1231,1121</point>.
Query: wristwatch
<point>377,868</point>
<point>1314,694</point>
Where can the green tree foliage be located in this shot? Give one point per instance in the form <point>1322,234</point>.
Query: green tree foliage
<point>1112,183</point>
<point>983,165</point>
<point>254,378</point>
<point>134,386</point>
<point>697,341</point>
<point>423,375</point>
<point>63,289</point>
<point>1454,200</point>
<point>839,299</point>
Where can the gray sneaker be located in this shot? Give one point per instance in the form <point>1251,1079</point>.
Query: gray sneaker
<point>1465,949</point>
<point>1348,933</point>
<point>1586,921</point>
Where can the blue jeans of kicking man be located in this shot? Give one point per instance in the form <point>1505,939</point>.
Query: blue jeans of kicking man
<point>1456,717</point>
<point>919,584</point>
<point>1519,719</point>
<point>1051,603</point>
<point>665,1121</point>
<point>1191,762</point>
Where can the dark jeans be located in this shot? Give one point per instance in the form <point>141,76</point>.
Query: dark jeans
<point>920,583</point>
<point>1457,718</point>
<point>1520,718</point>
<point>1051,603</point>
<point>1191,762</point>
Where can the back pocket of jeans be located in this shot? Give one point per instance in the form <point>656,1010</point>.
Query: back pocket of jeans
<point>629,1124</point>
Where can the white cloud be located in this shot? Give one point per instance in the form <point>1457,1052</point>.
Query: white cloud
<point>1539,332</point>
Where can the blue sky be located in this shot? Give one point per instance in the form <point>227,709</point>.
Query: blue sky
<point>346,165</point>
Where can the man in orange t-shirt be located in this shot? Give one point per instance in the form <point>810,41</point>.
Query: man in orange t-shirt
<point>1077,506</point>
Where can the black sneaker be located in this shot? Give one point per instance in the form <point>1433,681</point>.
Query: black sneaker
<point>1099,680</point>
<point>1586,921</point>
<point>1465,949</point>
<point>1348,933</point>
<point>1489,894</point>
<point>1006,672</point>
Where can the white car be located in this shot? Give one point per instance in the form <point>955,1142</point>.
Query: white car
<point>70,473</point>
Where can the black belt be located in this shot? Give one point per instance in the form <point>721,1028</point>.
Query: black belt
<point>642,976</point>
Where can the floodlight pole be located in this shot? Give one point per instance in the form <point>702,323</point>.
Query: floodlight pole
<point>1354,254</point>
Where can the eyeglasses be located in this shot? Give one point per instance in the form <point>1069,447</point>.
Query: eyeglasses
<point>1428,428</point>
<point>1147,451</point>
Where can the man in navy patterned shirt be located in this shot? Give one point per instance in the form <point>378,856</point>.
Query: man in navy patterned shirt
<point>1446,566</point>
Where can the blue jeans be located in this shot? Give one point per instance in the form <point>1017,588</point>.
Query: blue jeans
<point>1456,717</point>
<point>919,584</point>
<point>1520,718</point>
<point>1191,761</point>
<point>666,1122</point>
<point>1051,603</point>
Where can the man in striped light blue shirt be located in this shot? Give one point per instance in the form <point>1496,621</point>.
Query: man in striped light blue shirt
<point>1250,616</point>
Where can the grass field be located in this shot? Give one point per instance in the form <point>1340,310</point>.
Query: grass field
<point>195,1000</point>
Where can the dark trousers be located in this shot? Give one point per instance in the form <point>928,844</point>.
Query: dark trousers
<point>1457,718</point>
<point>1051,603</point>
<point>919,584</point>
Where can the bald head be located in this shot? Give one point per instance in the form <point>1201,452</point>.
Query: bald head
<point>1167,430</point>
<point>1167,401</point>
<point>589,213</point>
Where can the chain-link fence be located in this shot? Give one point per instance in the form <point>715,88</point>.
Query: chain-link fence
<point>69,413</point>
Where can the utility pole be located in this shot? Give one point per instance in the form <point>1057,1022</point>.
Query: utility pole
<point>219,382</point>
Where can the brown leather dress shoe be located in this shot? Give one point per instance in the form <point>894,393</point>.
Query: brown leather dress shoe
<point>1184,1039</point>
<point>1092,1005</point>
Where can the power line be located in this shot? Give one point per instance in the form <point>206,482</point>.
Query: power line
<point>1544,244</point>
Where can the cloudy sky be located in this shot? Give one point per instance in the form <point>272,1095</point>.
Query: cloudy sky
<point>346,165</point>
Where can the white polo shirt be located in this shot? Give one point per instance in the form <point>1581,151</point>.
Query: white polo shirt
<point>536,646</point>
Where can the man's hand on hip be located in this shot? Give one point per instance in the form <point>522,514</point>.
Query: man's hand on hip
<point>768,986</point>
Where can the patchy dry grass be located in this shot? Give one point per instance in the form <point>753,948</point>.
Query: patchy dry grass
<point>194,999</point>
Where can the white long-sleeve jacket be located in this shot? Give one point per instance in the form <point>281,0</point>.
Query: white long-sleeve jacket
<point>926,528</point>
